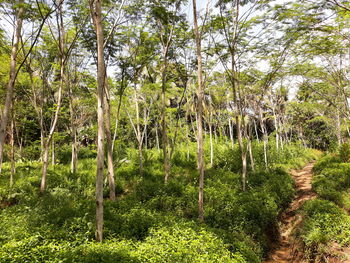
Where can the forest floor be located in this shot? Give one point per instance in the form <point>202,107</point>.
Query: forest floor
<point>288,248</point>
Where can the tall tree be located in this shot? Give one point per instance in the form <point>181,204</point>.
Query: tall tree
<point>62,65</point>
<point>200,100</point>
<point>12,78</point>
<point>96,14</point>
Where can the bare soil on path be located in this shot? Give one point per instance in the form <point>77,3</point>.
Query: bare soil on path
<point>288,248</point>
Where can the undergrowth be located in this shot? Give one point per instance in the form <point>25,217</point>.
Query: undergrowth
<point>326,219</point>
<point>150,221</point>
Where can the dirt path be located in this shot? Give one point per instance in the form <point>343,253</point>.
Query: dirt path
<point>286,250</point>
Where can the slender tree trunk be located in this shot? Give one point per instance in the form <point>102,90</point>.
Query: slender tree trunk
<point>237,101</point>
<point>117,117</point>
<point>140,159</point>
<point>188,142</point>
<point>45,160</point>
<point>338,128</point>
<point>145,134</point>
<point>110,165</point>
<point>231,132</point>
<point>138,130</point>
<point>59,99</point>
<point>74,161</point>
<point>165,140</point>
<point>74,157</point>
<point>243,152</point>
<point>251,156</point>
<point>42,135</point>
<point>200,95</point>
<point>157,137</point>
<point>265,137</point>
<point>12,79</point>
<point>211,145</point>
<point>276,128</point>
<point>96,12</point>
<point>12,142</point>
<point>256,132</point>
<point>53,152</point>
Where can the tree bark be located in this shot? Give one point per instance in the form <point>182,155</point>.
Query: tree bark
<point>231,132</point>
<point>12,79</point>
<point>110,165</point>
<point>211,141</point>
<point>74,156</point>
<point>53,152</point>
<point>12,142</point>
<point>165,140</point>
<point>96,13</point>
<point>157,138</point>
<point>200,95</point>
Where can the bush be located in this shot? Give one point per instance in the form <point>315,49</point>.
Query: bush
<point>319,226</point>
<point>183,244</point>
<point>344,152</point>
<point>331,182</point>
<point>327,161</point>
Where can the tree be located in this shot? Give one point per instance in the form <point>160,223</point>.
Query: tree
<point>200,100</point>
<point>96,14</point>
<point>62,65</point>
<point>13,74</point>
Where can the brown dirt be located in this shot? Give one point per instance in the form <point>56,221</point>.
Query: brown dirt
<point>288,249</point>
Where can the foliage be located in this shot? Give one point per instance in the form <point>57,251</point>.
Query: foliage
<point>344,152</point>
<point>332,183</point>
<point>150,221</point>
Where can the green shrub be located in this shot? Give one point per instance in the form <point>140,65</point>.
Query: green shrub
<point>344,152</point>
<point>327,161</point>
<point>112,251</point>
<point>183,244</point>
<point>324,222</point>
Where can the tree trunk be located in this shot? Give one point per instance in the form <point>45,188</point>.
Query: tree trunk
<point>118,113</point>
<point>265,136</point>
<point>53,152</point>
<point>42,134</point>
<point>211,142</point>
<point>157,137</point>
<point>250,150</point>
<point>140,159</point>
<point>74,161</point>
<point>138,130</point>
<point>243,152</point>
<point>45,160</point>
<point>74,157</point>
<point>256,132</point>
<point>231,132</point>
<point>12,79</point>
<point>200,95</point>
<point>145,133</point>
<point>110,165</point>
<point>188,142</point>
<point>338,128</point>
<point>59,99</point>
<point>12,142</point>
<point>276,127</point>
<point>96,13</point>
<point>165,142</point>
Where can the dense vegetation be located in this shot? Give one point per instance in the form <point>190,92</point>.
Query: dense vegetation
<point>166,130</point>
<point>327,219</point>
<point>149,221</point>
